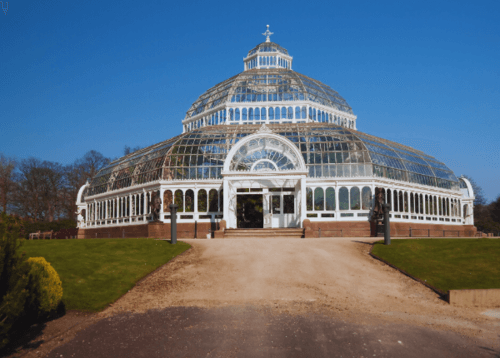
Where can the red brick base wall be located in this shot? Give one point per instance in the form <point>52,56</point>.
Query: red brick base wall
<point>367,229</point>
<point>154,230</point>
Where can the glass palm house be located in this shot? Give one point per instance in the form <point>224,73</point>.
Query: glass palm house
<point>272,148</point>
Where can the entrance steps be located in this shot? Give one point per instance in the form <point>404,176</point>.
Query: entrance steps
<point>293,233</point>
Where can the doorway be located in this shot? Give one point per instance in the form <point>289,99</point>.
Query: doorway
<point>250,211</point>
<point>282,208</point>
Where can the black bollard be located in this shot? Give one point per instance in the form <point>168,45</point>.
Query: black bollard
<point>387,224</point>
<point>173,223</point>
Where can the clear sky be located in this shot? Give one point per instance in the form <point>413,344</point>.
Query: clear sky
<point>83,75</point>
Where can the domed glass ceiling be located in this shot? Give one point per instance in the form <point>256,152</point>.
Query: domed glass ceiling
<point>268,85</point>
<point>328,151</point>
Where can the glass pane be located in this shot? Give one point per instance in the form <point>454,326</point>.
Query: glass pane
<point>289,204</point>
<point>167,200</point>
<point>367,198</point>
<point>202,200</point>
<point>214,201</point>
<point>355,200</point>
<point>189,201</point>
<point>309,199</point>
<point>179,200</point>
<point>330,199</point>
<point>344,198</point>
<point>275,204</point>
<point>319,199</point>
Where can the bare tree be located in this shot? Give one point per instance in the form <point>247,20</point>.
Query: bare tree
<point>7,182</point>
<point>38,195</point>
<point>127,150</point>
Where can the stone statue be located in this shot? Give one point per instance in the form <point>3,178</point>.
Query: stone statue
<point>155,205</point>
<point>378,209</point>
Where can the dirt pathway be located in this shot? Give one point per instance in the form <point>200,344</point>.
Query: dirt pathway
<point>297,276</point>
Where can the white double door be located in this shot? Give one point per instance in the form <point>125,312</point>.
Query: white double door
<point>280,210</point>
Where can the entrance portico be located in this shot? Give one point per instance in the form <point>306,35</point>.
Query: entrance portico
<point>270,165</point>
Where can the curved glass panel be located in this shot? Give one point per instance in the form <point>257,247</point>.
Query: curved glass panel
<point>327,150</point>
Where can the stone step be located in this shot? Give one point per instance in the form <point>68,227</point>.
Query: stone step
<point>263,233</point>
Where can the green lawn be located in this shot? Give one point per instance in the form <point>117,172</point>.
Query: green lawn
<point>447,264</point>
<point>96,272</point>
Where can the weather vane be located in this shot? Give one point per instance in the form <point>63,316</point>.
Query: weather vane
<point>268,34</point>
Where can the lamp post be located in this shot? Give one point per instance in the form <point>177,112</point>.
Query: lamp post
<point>387,224</point>
<point>173,223</point>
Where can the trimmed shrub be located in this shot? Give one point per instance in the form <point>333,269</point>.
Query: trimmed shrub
<point>13,276</point>
<point>44,285</point>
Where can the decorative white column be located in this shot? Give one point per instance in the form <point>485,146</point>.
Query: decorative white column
<point>303,198</point>
<point>227,197</point>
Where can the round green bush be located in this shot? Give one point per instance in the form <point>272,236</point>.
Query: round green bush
<point>46,285</point>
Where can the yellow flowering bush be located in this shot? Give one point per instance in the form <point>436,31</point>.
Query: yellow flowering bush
<point>46,285</point>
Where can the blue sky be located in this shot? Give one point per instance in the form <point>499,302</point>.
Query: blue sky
<point>100,75</point>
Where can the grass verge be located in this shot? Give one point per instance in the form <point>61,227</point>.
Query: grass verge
<point>447,264</point>
<point>96,272</point>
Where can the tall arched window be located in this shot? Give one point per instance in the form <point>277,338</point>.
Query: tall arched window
<point>221,200</point>
<point>202,200</point>
<point>366,201</point>
<point>142,204</point>
<point>277,113</point>
<point>355,198</point>
<point>401,201</point>
<point>344,198</point>
<point>237,114</point>
<point>319,199</point>
<point>244,116</point>
<point>297,112</point>
<point>330,199</point>
<point>179,200</point>
<point>271,113</point>
<point>388,199</point>
<point>290,113</point>
<point>412,203</point>
<point>396,201</point>
<point>213,199</point>
<point>189,201</point>
<point>303,112</point>
<point>283,112</point>
<point>231,114</point>
<point>250,114</point>
<point>167,200</point>
<point>263,114</point>
<point>257,114</point>
<point>417,204</point>
<point>426,204</point>
<point>309,199</point>
<point>406,202</point>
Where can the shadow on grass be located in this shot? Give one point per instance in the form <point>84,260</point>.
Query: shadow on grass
<point>24,335</point>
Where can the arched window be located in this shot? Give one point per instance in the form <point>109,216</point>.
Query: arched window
<point>257,114</point>
<point>426,204</point>
<point>213,199</point>
<point>330,199</point>
<point>412,203</point>
<point>355,198</point>
<point>344,198</point>
<point>179,200</point>
<point>244,114</point>
<point>221,200</point>
<point>277,113</point>
<point>406,202</point>
<point>314,114</point>
<point>303,112</point>
<point>310,113</point>
<point>366,198</point>
<point>231,114</point>
<point>396,201</point>
<point>202,200</point>
<point>319,199</point>
<point>283,112</point>
<point>297,112</point>
<point>466,209</point>
<point>271,113</point>
<point>388,199</point>
<point>142,204</point>
<point>237,114</point>
<point>216,117</point>
<point>290,113</point>
<point>263,114</point>
<point>189,201</point>
<point>309,199</point>
<point>401,201</point>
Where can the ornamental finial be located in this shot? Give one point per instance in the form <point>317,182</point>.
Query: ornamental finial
<point>268,34</point>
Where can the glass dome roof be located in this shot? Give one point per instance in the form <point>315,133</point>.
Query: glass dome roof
<point>268,85</point>
<point>328,151</point>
